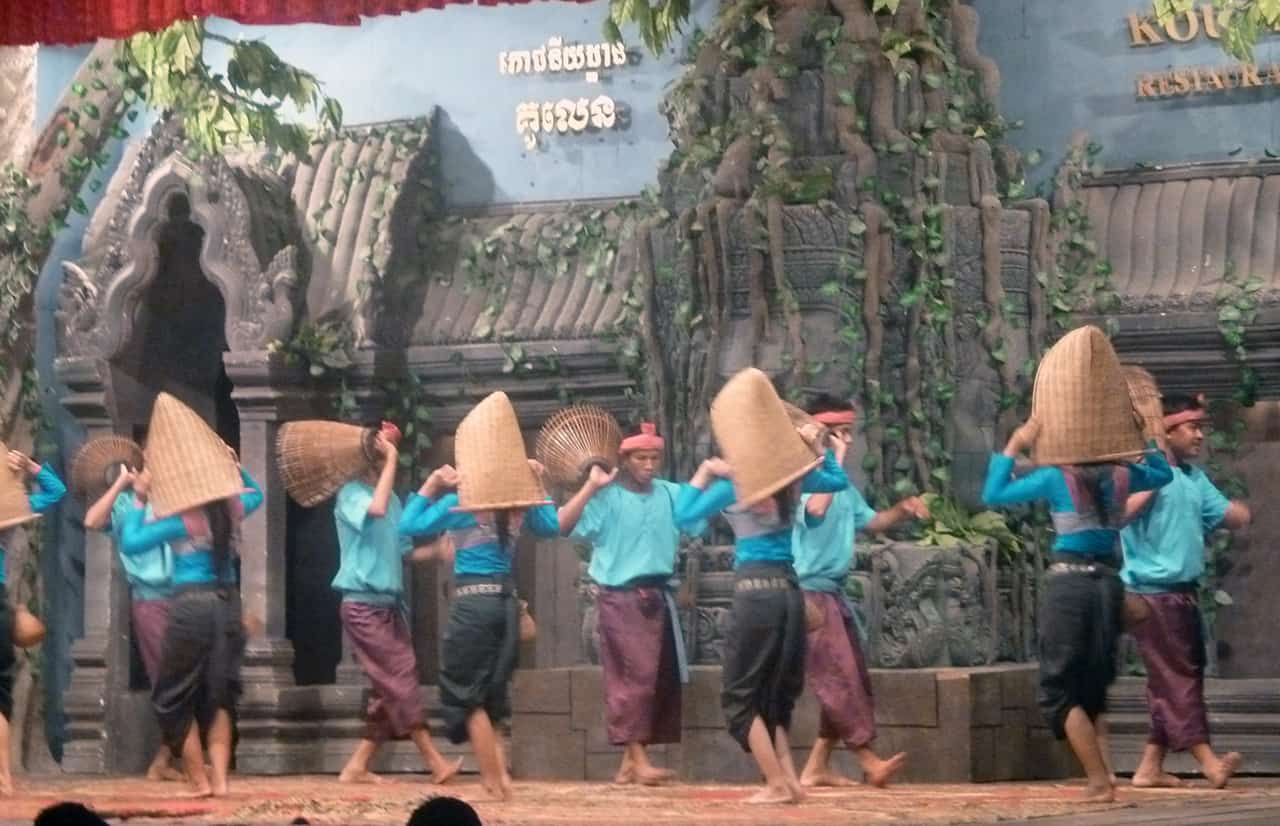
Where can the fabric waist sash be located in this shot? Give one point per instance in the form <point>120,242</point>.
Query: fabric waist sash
<point>372,597</point>
<point>836,587</point>
<point>149,593</point>
<point>1108,560</point>
<point>1167,587</point>
<point>474,585</point>
<point>655,581</point>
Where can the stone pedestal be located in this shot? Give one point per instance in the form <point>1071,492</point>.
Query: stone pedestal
<point>957,724</point>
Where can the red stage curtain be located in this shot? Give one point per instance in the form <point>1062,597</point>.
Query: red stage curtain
<point>83,21</point>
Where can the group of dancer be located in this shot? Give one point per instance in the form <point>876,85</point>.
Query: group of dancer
<point>1134,525</point>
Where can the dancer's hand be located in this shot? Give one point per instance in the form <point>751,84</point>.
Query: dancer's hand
<point>1022,439</point>
<point>718,467</point>
<point>599,477</point>
<point>142,484</point>
<point>22,464</point>
<point>913,507</point>
<point>441,479</point>
<point>838,446</point>
<point>539,469</point>
<point>386,447</point>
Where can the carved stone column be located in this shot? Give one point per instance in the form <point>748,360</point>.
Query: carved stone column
<point>100,659</point>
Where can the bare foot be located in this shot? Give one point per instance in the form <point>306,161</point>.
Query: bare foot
<point>1162,780</point>
<point>1100,794</point>
<point>1227,766</point>
<point>880,774</point>
<point>444,772</point>
<point>202,791</point>
<point>653,776</point>
<point>825,778</point>
<point>6,786</point>
<point>350,775</point>
<point>770,794</point>
<point>221,788</point>
<point>625,776</point>
<point>500,791</point>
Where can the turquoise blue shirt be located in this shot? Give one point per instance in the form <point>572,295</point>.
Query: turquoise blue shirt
<point>759,536</point>
<point>475,542</point>
<point>50,493</point>
<point>1164,546</point>
<point>150,573</point>
<point>824,552</point>
<point>371,548</point>
<point>192,552</point>
<point>632,535</point>
<point>1079,529</point>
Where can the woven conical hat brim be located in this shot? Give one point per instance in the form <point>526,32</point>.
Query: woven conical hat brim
<point>493,468</point>
<point>190,466</point>
<point>15,507</point>
<point>318,457</point>
<point>1081,403</point>
<point>95,457</point>
<point>758,438</point>
<point>1144,395</point>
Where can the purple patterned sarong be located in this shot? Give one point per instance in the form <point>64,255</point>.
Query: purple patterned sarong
<point>837,674</point>
<point>641,677</point>
<point>380,639</point>
<point>1171,641</point>
<point>150,620</point>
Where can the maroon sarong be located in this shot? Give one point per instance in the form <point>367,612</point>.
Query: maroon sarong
<point>150,620</point>
<point>641,678</point>
<point>1171,641</point>
<point>837,674</point>
<point>380,639</point>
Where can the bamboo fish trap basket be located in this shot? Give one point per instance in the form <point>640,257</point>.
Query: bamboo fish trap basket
<point>317,457</point>
<point>1081,403</point>
<point>94,461</point>
<point>1144,394</point>
<point>574,440</point>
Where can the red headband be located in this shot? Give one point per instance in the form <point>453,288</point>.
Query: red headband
<point>1174,419</point>
<point>392,432</point>
<point>646,439</point>
<point>834,418</point>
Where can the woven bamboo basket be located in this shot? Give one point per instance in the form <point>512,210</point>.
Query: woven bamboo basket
<point>1081,403</point>
<point>493,469</point>
<point>799,419</point>
<point>318,457</point>
<point>1144,395</point>
<point>28,630</point>
<point>758,438</point>
<point>190,466</point>
<point>576,439</point>
<point>15,507</point>
<point>94,461</point>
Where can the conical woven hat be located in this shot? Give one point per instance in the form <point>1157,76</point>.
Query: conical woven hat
<point>1144,395</point>
<point>493,469</point>
<point>96,457</point>
<point>15,507</point>
<point>758,438</point>
<point>318,457</point>
<point>190,466</point>
<point>1081,403</point>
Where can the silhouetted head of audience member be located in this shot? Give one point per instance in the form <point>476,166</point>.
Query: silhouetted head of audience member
<point>444,811</point>
<point>68,814</point>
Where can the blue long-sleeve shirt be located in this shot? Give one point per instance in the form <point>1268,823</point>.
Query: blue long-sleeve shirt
<point>51,490</point>
<point>759,536</point>
<point>1076,519</point>
<point>189,538</point>
<point>477,550</point>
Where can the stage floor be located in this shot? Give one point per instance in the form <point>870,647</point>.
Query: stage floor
<point>320,799</point>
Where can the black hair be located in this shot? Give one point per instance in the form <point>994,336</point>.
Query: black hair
<point>502,525</point>
<point>221,526</point>
<point>786,504</point>
<point>69,814</point>
<point>1180,403</point>
<point>444,811</point>
<point>113,472</point>
<point>827,403</point>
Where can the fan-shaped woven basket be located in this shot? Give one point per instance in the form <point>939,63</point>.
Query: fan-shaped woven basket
<point>96,458</point>
<point>318,457</point>
<point>1081,403</point>
<point>799,419</point>
<point>190,466</point>
<point>575,439</point>
<point>493,469</point>
<point>28,630</point>
<point>15,507</point>
<point>758,438</point>
<point>1144,394</point>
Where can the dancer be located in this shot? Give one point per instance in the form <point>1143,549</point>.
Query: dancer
<point>835,667</point>
<point>150,577</point>
<point>1163,563</point>
<point>198,681</point>
<point>1080,622</point>
<point>765,650</point>
<point>628,516</point>
<point>371,580</point>
<point>499,495</point>
<point>16,508</point>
